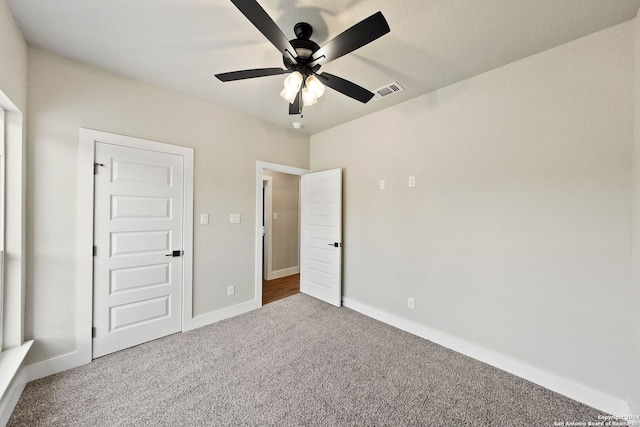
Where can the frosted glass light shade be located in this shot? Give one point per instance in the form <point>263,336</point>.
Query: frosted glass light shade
<point>288,95</point>
<point>315,86</point>
<point>293,81</point>
<point>291,86</point>
<point>308,97</point>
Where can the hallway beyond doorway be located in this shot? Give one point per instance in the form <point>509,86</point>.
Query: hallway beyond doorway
<point>273,290</point>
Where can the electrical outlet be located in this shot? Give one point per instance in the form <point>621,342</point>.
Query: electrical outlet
<point>382,184</point>
<point>231,290</point>
<point>412,181</point>
<point>411,303</point>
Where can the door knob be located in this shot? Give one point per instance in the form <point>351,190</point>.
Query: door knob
<point>175,253</point>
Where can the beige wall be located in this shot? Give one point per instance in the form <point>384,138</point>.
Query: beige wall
<point>64,96</point>
<point>635,238</point>
<point>13,51</point>
<point>285,242</point>
<point>516,237</point>
<point>13,84</point>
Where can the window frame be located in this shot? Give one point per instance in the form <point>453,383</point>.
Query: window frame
<point>2,220</point>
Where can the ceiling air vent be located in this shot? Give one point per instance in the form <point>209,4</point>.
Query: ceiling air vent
<point>387,90</point>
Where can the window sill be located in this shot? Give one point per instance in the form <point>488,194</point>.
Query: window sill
<point>10,362</point>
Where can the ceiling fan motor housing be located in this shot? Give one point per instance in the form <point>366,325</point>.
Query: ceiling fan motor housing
<point>304,50</point>
<point>303,30</point>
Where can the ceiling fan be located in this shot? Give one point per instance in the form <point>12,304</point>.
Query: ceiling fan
<point>303,58</point>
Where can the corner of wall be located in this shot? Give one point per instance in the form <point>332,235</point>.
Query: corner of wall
<point>634,378</point>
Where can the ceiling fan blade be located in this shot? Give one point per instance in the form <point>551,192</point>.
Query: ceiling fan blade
<point>250,74</point>
<point>263,22</point>
<point>362,33</point>
<point>296,107</point>
<point>346,87</point>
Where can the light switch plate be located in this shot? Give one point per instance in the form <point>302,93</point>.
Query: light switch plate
<point>204,218</point>
<point>275,215</point>
<point>234,218</point>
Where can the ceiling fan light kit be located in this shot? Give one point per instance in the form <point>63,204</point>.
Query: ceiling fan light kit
<point>303,58</point>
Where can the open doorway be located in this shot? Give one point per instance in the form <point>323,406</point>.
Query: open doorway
<point>285,277</point>
<point>281,235</point>
<point>320,235</point>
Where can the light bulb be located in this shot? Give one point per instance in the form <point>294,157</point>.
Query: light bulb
<point>315,86</point>
<point>308,97</point>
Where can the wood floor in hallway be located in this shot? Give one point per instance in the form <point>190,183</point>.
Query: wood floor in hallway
<point>273,290</point>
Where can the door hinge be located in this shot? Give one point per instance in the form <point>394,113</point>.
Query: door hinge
<point>95,250</point>
<point>93,332</point>
<point>95,167</point>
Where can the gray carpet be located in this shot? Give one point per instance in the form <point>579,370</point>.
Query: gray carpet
<point>295,362</point>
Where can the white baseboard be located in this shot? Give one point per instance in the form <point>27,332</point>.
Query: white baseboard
<point>55,365</point>
<point>635,421</point>
<point>569,388</point>
<point>12,395</point>
<point>218,315</point>
<point>283,273</point>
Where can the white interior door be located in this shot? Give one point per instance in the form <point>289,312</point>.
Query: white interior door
<point>138,225</point>
<point>321,236</point>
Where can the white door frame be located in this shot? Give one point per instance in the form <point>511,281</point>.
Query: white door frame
<point>267,268</point>
<point>260,168</point>
<point>84,300</point>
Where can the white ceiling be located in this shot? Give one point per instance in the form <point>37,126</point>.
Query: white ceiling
<point>181,44</point>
